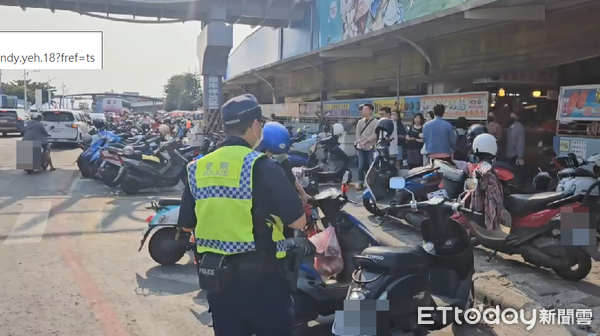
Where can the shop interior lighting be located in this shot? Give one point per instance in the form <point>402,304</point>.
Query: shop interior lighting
<point>501,93</point>
<point>492,104</point>
<point>536,93</point>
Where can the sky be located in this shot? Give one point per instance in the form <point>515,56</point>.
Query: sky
<point>137,57</point>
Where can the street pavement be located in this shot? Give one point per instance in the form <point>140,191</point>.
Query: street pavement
<point>70,266</point>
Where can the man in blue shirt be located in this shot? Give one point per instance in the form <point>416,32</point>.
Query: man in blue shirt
<point>439,135</point>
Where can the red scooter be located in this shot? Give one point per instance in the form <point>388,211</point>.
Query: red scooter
<point>534,231</point>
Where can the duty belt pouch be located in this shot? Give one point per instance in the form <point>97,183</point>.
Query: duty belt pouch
<point>213,273</point>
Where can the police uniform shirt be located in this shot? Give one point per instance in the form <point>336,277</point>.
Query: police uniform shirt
<point>271,192</point>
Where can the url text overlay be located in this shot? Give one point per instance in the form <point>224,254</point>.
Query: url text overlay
<point>51,50</point>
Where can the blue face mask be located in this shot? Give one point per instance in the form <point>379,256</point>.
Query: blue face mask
<point>473,158</point>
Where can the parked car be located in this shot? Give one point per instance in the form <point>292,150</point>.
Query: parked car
<point>69,125</point>
<point>12,121</point>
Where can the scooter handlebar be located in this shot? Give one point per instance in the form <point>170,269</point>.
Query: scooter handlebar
<point>454,206</point>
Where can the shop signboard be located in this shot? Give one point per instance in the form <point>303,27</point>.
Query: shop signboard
<point>340,20</point>
<point>579,103</point>
<point>472,105</point>
<point>343,108</point>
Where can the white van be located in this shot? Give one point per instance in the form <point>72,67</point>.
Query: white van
<point>69,125</point>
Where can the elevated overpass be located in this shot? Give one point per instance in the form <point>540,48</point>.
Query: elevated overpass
<point>271,13</point>
<point>440,48</point>
<point>215,40</point>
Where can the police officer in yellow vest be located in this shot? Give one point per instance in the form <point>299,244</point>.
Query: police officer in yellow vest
<point>238,203</point>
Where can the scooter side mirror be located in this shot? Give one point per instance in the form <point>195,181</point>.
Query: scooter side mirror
<point>397,183</point>
<point>471,184</point>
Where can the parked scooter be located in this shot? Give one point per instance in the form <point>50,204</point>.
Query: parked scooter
<point>534,230</point>
<point>315,297</point>
<point>112,157</point>
<point>138,175</point>
<point>378,197</point>
<point>437,274</point>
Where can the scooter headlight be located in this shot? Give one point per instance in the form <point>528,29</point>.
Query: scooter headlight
<point>356,295</point>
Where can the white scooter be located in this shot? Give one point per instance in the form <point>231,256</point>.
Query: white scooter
<point>572,176</point>
<point>579,179</point>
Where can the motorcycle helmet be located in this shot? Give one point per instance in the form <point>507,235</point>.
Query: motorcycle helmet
<point>485,146</point>
<point>276,138</point>
<point>338,129</point>
<point>164,130</point>
<point>385,128</point>
<point>473,132</point>
<point>145,127</point>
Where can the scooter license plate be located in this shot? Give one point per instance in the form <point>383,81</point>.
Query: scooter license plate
<point>441,192</point>
<point>333,328</point>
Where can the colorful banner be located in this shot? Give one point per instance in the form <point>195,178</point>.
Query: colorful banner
<point>343,19</point>
<point>579,103</point>
<point>407,105</point>
<point>473,105</point>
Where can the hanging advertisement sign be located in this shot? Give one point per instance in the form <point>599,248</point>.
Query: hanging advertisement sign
<point>280,110</point>
<point>579,103</point>
<point>344,108</point>
<point>408,106</point>
<point>472,105</point>
<point>308,110</point>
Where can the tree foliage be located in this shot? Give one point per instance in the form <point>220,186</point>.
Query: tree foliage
<point>15,88</point>
<point>183,92</point>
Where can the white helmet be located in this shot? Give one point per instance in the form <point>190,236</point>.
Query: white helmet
<point>337,129</point>
<point>164,130</point>
<point>485,144</point>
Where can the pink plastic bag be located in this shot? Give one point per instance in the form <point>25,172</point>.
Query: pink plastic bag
<point>328,260</point>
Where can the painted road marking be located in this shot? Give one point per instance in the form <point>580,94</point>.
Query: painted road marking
<point>31,224</point>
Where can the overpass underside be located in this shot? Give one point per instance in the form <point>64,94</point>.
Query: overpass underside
<point>450,48</point>
<point>271,13</point>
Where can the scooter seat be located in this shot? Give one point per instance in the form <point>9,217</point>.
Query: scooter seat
<point>575,172</point>
<point>169,201</point>
<point>523,204</point>
<point>419,171</point>
<point>392,258</point>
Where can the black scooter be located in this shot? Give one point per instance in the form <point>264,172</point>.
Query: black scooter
<point>137,175</point>
<point>333,161</point>
<point>437,274</point>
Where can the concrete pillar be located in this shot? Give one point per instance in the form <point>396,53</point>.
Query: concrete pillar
<point>213,46</point>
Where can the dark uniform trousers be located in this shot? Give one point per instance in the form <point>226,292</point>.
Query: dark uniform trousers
<point>261,307</point>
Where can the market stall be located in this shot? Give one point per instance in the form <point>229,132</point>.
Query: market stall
<point>578,116</point>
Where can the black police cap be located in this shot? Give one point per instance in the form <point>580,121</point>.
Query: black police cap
<point>241,108</point>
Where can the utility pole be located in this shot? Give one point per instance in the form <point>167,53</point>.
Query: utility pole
<point>1,92</point>
<point>25,73</point>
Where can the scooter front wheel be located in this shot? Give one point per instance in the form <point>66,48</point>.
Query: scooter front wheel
<point>160,249</point>
<point>129,187</point>
<point>372,207</point>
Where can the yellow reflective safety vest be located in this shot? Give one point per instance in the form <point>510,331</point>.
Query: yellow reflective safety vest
<point>221,183</point>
